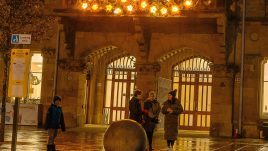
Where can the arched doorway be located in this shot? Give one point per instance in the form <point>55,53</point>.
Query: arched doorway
<point>119,88</point>
<point>193,80</point>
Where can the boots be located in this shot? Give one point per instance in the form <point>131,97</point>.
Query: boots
<point>51,147</point>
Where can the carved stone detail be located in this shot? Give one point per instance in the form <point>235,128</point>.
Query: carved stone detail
<point>72,65</point>
<point>48,52</point>
<point>148,68</point>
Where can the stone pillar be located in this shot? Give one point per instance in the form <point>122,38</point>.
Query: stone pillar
<point>221,103</point>
<point>251,96</point>
<point>146,76</point>
<point>69,85</point>
<point>47,79</point>
<point>1,75</point>
<point>81,104</point>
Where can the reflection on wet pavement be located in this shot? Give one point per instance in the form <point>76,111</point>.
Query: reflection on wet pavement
<point>90,139</point>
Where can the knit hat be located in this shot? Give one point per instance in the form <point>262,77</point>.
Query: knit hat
<point>173,93</point>
<point>137,92</point>
<point>56,97</point>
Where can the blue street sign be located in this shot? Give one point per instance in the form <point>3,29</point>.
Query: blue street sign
<point>15,38</point>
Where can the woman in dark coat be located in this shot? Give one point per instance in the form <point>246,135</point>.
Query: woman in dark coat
<point>54,121</point>
<point>171,109</point>
<point>151,112</point>
<point>135,107</point>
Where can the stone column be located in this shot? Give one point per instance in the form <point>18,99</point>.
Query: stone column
<point>221,103</point>
<point>70,87</point>
<point>250,120</point>
<point>146,76</point>
<point>47,80</point>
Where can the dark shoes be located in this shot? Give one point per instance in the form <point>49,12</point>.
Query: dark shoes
<point>51,147</point>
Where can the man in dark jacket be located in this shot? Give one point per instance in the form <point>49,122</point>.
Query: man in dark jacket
<point>135,107</point>
<point>54,121</point>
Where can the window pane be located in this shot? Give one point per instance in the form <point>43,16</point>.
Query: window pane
<point>265,97</point>
<point>266,72</point>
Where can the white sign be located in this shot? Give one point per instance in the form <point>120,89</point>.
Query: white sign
<point>21,39</point>
<point>18,72</point>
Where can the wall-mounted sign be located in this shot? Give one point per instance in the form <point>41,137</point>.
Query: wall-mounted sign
<point>21,39</point>
<point>18,72</point>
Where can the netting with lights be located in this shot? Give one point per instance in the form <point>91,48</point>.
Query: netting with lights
<point>143,7</point>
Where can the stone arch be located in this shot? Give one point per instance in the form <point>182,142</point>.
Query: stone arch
<point>174,56</point>
<point>96,63</point>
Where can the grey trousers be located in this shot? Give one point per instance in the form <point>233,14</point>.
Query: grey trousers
<point>52,134</point>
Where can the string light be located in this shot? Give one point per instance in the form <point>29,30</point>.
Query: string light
<point>109,8</point>
<point>95,7</point>
<point>153,9</point>
<point>130,8</point>
<point>188,3</point>
<point>144,5</point>
<point>123,1</point>
<point>84,6</point>
<point>117,11</point>
<point>164,11</point>
<point>159,8</point>
<point>175,9</point>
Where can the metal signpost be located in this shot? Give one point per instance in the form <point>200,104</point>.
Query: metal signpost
<point>18,78</point>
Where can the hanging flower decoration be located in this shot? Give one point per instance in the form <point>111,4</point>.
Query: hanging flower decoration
<point>142,7</point>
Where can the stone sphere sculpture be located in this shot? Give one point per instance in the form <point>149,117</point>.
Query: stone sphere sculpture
<point>125,135</point>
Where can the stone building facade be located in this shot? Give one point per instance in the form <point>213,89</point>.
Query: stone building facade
<point>86,45</point>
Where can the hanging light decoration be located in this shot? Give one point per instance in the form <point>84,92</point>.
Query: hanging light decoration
<point>118,11</point>
<point>95,7</point>
<point>175,9</point>
<point>156,8</point>
<point>188,3</point>
<point>143,5</point>
<point>164,11</point>
<point>109,8</point>
<point>84,6</point>
<point>153,9</point>
<point>130,8</point>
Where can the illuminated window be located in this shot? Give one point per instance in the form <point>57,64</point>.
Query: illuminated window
<point>35,79</point>
<point>119,88</point>
<point>264,94</point>
<point>193,80</point>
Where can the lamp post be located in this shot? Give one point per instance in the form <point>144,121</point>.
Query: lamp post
<point>242,68</point>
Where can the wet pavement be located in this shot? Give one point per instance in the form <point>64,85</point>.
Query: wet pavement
<point>90,139</point>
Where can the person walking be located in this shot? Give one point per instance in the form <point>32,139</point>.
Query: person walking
<point>171,109</point>
<point>54,121</point>
<point>151,113</point>
<point>135,107</point>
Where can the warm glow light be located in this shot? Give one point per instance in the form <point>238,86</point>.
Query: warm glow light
<point>174,9</point>
<point>144,4</point>
<point>117,11</point>
<point>207,2</point>
<point>84,5</point>
<point>109,8</point>
<point>130,8</point>
<point>123,1</point>
<point>95,7</point>
<point>153,9</point>
<point>163,11</point>
<point>188,3</point>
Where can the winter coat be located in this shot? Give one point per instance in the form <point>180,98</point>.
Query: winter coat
<point>171,119</point>
<point>55,119</point>
<point>135,110</point>
<point>152,110</point>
